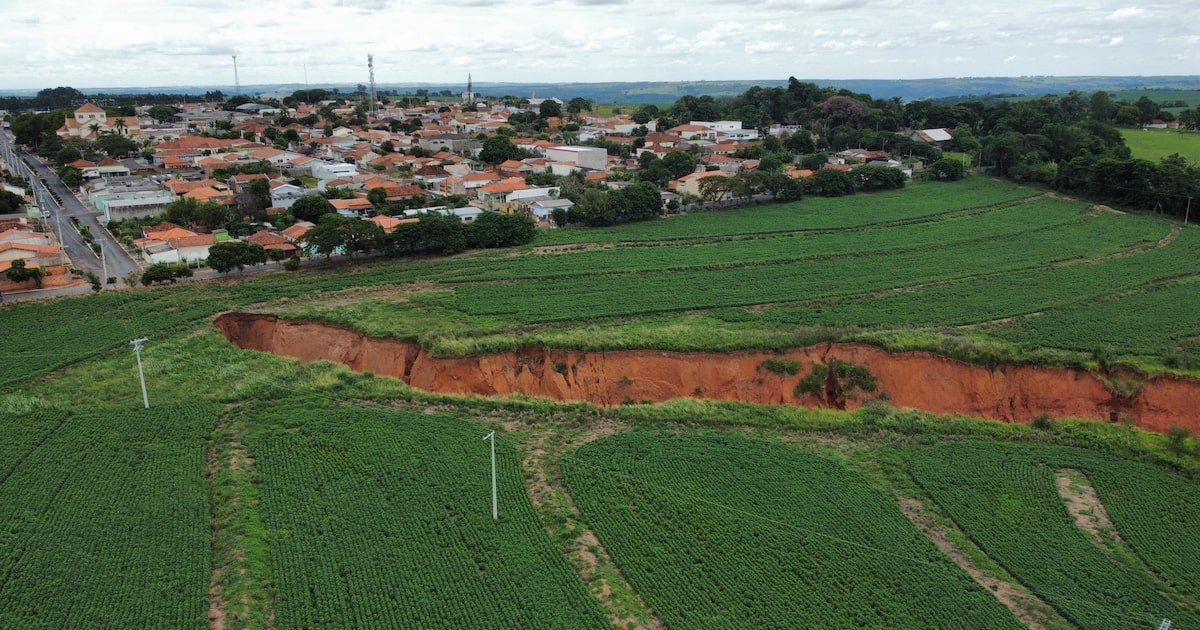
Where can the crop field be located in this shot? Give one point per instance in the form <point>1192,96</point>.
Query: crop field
<point>736,533</point>
<point>388,524</point>
<point>1004,498</point>
<point>105,518</point>
<point>1155,144</point>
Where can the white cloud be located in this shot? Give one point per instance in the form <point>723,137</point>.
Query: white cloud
<point>580,40</point>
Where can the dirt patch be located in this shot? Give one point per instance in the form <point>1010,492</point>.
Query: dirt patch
<point>1031,610</point>
<point>1098,209</point>
<point>1085,507</point>
<point>565,249</point>
<point>544,451</point>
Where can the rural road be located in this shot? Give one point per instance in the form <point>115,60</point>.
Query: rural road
<point>118,261</point>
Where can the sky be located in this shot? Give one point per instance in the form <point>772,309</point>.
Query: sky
<point>117,43</point>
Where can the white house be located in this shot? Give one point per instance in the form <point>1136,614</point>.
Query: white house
<point>542,208</point>
<point>592,158</point>
<point>284,195</point>
<point>326,171</point>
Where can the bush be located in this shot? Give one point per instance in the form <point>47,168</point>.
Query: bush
<point>492,229</point>
<point>1177,438</point>
<point>291,264</point>
<point>782,367</point>
<point>849,375</point>
<point>947,170</point>
<point>1042,422</point>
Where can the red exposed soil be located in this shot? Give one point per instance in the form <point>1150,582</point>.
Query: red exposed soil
<point>918,380</point>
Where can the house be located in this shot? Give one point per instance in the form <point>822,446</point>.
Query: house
<point>91,121</point>
<point>270,240</point>
<point>326,171</point>
<point>389,224</point>
<point>541,209</point>
<point>466,214</point>
<point>455,142</point>
<point>295,233</point>
<point>590,158</point>
<point>352,207</point>
<point>932,136</point>
<point>169,243</point>
<point>690,184</point>
<point>48,258</point>
<point>283,194</point>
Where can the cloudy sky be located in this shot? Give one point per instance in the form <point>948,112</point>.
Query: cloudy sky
<point>188,42</point>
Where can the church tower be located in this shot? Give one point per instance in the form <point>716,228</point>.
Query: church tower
<point>468,97</point>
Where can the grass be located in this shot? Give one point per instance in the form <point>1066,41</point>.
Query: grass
<point>1155,144</point>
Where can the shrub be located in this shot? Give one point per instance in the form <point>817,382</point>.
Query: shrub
<point>292,264</point>
<point>849,375</point>
<point>1177,438</point>
<point>782,367</point>
<point>1042,422</point>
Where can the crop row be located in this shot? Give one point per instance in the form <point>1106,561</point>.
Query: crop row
<point>387,523</point>
<point>104,517</point>
<point>1076,316</point>
<point>731,532</point>
<point>1004,498</point>
<point>561,299</point>
<point>808,214</point>
<point>1027,219</point>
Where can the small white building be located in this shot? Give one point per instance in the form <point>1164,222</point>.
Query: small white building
<point>591,158</point>
<point>326,171</point>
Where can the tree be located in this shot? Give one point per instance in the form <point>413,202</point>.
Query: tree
<point>498,149</point>
<point>10,203</point>
<point>559,217</point>
<point>578,104</point>
<point>947,170</point>
<point>360,236</point>
<point>492,229</point>
<point>157,273</point>
<point>311,208</point>
<point>829,182</point>
<point>230,255</point>
<point>116,145</point>
<point>378,197</point>
<point>329,235</point>
<point>18,272</point>
<point>680,163</point>
<point>549,109</point>
<point>871,178</point>
<point>162,113</point>
<point>70,176</point>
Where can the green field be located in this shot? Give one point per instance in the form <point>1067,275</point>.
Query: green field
<point>281,494</point>
<point>1155,144</point>
<point>1005,499</point>
<point>384,519</point>
<point>735,533</point>
<point>1191,97</point>
<point>105,518</point>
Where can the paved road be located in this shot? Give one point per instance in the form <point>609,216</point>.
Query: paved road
<point>116,259</point>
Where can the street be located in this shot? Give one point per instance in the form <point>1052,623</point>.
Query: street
<point>117,261</point>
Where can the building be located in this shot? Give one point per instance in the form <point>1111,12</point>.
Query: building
<point>585,158</point>
<point>169,243</point>
<point>90,122</point>
<point>690,184</point>
<point>351,207</point>
<point>541,209</point>
<point>933,136</point>
<point>326,171</point>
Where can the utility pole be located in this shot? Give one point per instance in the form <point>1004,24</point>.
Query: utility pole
<point>371,76</point>
<point>237,83</point>
<point>495,506</point>
<point>1188,213</point>
<point>103,265</point>
<point>137,349</point>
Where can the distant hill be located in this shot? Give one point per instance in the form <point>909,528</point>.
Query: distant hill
<point>666,92</point>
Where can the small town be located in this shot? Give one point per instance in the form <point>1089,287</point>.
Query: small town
<point>162,184</point>
<point>397,314</point>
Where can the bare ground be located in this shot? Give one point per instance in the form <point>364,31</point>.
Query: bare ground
<point>1086,508</point>
<point>608,586</point>
<point>1031,610</point>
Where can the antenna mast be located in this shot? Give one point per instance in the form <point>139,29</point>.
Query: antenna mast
<point>237,83</point>
<point>371,71</point>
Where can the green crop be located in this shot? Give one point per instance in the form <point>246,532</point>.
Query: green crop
<point>1004,498</point>
<point>729,532</point>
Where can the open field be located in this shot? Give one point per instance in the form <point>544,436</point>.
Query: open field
<point>1155,144</point>
<point>1191,97</point>
<point>266,492</point>
<point>105,518</point>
